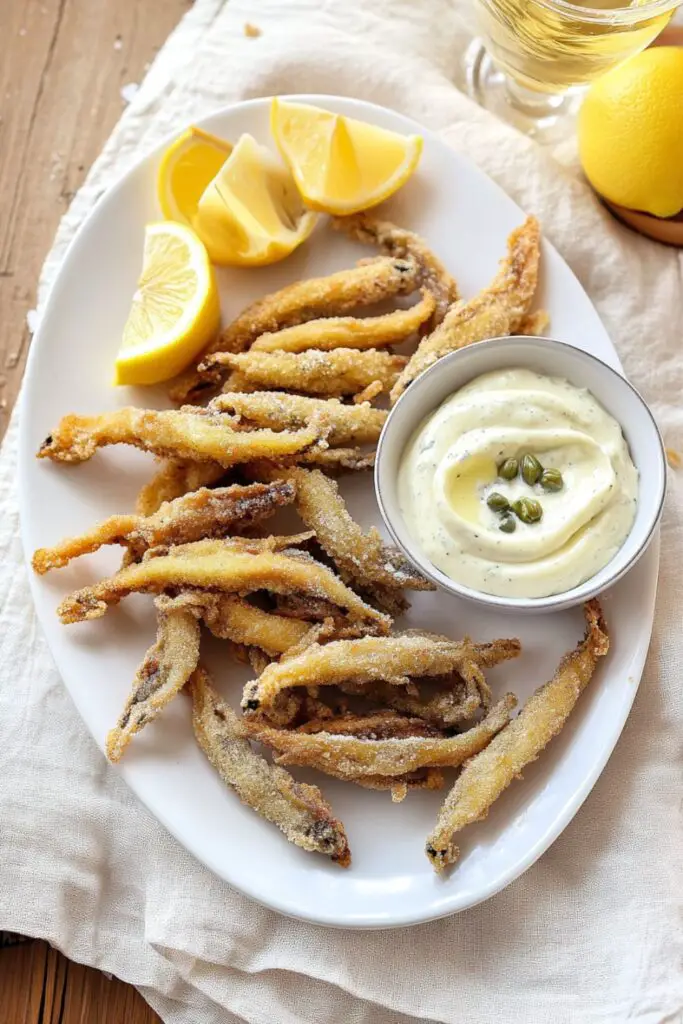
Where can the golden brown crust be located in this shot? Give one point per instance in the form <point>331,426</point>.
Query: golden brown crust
<point>177,434</point>
<point>487,775</point>
<point>165,669</point>
<point>496,311</point>
<point>173,479</point>
<point>299,810</point>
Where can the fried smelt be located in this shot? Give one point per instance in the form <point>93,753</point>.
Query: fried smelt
<point>166,668</point>
<point>350,331</point>
<point>390,659</point>
<point>334,461</point>
<point>353,758</point>
<point>203,513</point>
<point>343,371</point>
<point>232,618</point>
<point>220,566</point>
<point>484,778</point>
<point>363,559</point>
<point>173,433</point>
<point>299,810</point>
<point>496,311</point>
<point>370,229</point>
<point>347,425</point>
<point>370,282</point>
<point>174,478</point>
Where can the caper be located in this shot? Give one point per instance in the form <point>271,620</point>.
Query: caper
<point>528,510</point>
<point>508,523</point>
<point>531,469</point>
<point>551,480</point>
<point>497,502</point>
<point>509,469</point>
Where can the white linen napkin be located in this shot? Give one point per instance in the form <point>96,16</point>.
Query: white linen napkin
<point>592,932</point>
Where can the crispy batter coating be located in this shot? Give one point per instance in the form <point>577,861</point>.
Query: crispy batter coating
<point>350,331</point>
<point>219,565</point>
<point>369,228</point>
<point>347,425</point>
<point>354,758</point>
<point>176,434</point>
<point>382,724</point>
<point>390,659</point>
<point>370,282</point>
<point>232,618</point>
<point>165,669</point>
<point>299,810</point>
<point>363,559</point>
<point>343,371</point>
<point>496,311</point>
<point>174,478</point>
<point>484,778</point>
<point>534,324</point>
<point>203,513</point>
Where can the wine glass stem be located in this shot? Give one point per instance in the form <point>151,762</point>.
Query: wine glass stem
<point>531,102</point>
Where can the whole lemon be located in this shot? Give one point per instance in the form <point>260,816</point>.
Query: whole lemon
<point>631,132</point>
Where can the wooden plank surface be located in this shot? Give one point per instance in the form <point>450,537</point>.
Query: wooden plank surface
<point>62,66</point>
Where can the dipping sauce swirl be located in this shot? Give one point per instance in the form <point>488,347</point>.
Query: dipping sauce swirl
<point>453,463</point>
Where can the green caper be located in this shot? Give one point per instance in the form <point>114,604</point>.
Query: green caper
<point>509,469</point>
<point>497,502</point>
<point>531,469</point>
<point>551,480</point>
<point>528,510</point>
<point>508,523</point>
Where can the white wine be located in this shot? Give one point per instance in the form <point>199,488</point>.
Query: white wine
<point>554,45</point>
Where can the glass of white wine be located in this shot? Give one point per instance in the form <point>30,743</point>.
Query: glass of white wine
<point>534,58</point>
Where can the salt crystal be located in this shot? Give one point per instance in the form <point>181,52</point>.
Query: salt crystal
<point>128,91</point>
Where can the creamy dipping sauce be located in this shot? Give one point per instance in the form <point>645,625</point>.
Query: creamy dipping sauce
<point>450,467</point>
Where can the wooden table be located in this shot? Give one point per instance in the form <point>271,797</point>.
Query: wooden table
<point>62,66</point>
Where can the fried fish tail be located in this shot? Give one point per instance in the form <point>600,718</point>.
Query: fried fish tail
<point>495,312</point>
<point>490,772</point>
<point>166,667</point>
<point>298,810</point>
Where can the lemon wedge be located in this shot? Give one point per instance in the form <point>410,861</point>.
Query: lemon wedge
<point>186,168</point>
<point>251,213</point>
<point>175,310</point>
<point>340,165</point>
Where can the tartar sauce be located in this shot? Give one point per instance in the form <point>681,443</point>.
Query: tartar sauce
<point>451,466</point>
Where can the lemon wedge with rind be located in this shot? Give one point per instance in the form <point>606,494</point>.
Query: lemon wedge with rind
<point>341,165</point>
<point>251,213</point>
<point>175,310</point>
<point>187,167</point>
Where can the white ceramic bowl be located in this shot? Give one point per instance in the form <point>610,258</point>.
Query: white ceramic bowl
<point>554,359</point>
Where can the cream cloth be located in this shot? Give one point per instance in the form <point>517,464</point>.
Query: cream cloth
<point>592,932</point>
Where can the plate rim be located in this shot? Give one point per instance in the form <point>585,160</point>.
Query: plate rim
<point>444,906</point>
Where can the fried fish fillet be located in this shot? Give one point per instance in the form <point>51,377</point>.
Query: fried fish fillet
<point>299,810</point>
<point>347,425</point>
<point>534,324</point>
<point>352,758</point>
<point>363,559</point>
<point>173,479</point>
<point>487,775</point>
<point>367,227</point>
<point>391,659</point>
<point>176,434</point>
<point>370,282</point>
<point>219,565</point>
<point>342,371</point>
<point>350,331</point>
<point>201,514</point>
<point>496,311</point>
<point>165,669</point>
